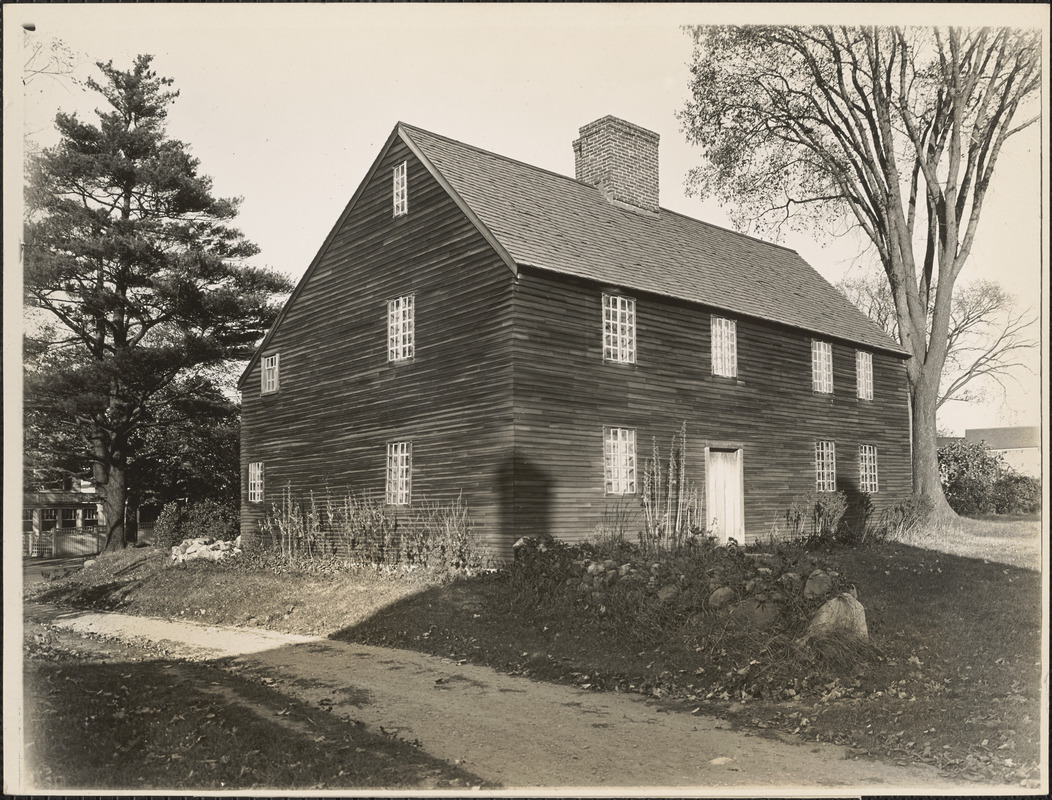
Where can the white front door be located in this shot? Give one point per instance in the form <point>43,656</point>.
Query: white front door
<point>725,499</point>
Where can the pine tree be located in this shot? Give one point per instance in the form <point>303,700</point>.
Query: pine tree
<point>142,282</point>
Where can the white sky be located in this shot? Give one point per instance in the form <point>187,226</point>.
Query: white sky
<point>287,106</point>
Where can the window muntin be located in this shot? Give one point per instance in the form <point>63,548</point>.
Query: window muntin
<point>91,516</point>
<point>399,473</point>
<point>724,347</point>
<point>822,367</point>
<point>69,518</point>
<point>255,482</point>
<point>619,460</point>
<point>619,329</point>
<point>401,329</point>
<point>864,374</point>
<point>27,520</point>
<point>867,469</point>
<point>268,379</point>
<point>825,466</point>
<point>400,191</point>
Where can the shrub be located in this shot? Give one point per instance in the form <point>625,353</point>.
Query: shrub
<point>1014,493</point>
<point>168,529</point>
<point>968,472</point>
<point>902,519</point>
<point>211,520</point>
<point>816,515</point>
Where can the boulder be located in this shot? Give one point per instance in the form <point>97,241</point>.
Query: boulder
<point>721,597</point>
<point>667,593</point>
<point>818,584</point>
<point>842,615</point>
<point>791,581</point>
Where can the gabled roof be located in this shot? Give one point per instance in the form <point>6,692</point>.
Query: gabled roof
<point>553,222</point>
<point>536,218</point>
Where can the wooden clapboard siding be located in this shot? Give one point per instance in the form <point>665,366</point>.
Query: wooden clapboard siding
<point>340,401</point>
<point>565,394</point>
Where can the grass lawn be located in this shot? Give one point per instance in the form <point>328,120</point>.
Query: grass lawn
<point>952,676</point>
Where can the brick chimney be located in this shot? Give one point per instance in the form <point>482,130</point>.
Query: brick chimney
<point>622,160</point>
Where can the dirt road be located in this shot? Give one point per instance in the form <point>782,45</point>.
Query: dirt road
<point>519,733</point>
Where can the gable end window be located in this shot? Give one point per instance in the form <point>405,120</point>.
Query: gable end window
<point>619,460</point>
<point>269,375</point>
<point>864,374</point>
<point>724,347</point>
<point>400,191</point>
<point>825,467</point>
<point>822,367</point>
<point>619,329</point>
<point>255,482</point>
<point>400,329</point>
<point>867,469</point>
<point>398,490</point>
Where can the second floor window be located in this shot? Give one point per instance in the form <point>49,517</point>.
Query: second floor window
<point>619,460</point>
<point>398,490</point>
<point>822,367</point>
<point>619,329</point>
<point>867,469</point>
<point>825,467</point>
<point>255,482</point>
<point>269,375</point>
<point>400,329</point>
<point>864,374</point>
<point>724,347</point>
<point>400,191</point>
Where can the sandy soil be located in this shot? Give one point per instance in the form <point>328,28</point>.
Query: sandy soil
<point>511,730</point>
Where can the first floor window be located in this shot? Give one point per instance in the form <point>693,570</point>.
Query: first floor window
<point>69,518</point>
<point>48,518</point>
<point>864,374</point>
<point>619,329</point>
<point>867,468</point>
<point>27,520</point>
<point>619,460</point>
<point>255,482</point>
<point>399,473</point>
<point>400,328</point>
<point>724,347</point>
<point>91,516</point>
<point>822,367</point>
<point>825,466</point>
<point>269,375</point>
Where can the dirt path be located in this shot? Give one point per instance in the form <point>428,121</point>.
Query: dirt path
<point>511,730</point>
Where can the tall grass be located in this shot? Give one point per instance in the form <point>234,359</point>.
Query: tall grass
<point>670,501</point>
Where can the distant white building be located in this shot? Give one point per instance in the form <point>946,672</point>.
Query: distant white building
<point>1020,446</point>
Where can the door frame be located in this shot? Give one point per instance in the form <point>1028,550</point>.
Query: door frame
<point>739,452</point>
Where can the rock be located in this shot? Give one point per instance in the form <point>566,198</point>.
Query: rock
<point>611,577</point>
<point>667,593</point>
<point>90,562</point>
<point>751,584</point>
<point>594,568</point>
<point>842,615</point>
<point>818,584</point>
<point>756,612</point>
<point>721,597</point>
<point>624,569</point>
<point>237,542</point>
<point>791,581</point>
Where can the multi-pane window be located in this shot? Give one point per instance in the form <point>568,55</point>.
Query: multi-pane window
<point>864,374</point>
<point>619,329</point>
<point>400,193</point>
<point>255,482</point>
<point>619,460</point>
<point>69,518</point>
<point>822,367</point>
<point>27,520</point>
<point>400,327</point>
<point>269,375</point>
<point>399,473</point>
<point>724,347</point>
<point>48,518</point>
<point>91,516</point>
<point>825,466</point>
<point>867,468</point>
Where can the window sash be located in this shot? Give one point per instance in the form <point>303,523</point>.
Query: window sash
<point>864,374</point>
<point>620,460</point>
<point>49,514</point>
<point>724,347</point>
<point>398,490</point>
<point>867,469</point>
<point>255,482</point>
<point>91,514</point>
<point>401,328</point>
<point>400,192</point>
<point>825,466</point>
<point>270,375</point>
<point>822,367</point>
<point>619,329</point>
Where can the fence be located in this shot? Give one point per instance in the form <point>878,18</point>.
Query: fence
<point>87,541</point>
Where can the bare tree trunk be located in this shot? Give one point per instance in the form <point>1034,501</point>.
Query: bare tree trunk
<point>924,393</point>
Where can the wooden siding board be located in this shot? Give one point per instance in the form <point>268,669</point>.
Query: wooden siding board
<point>565,393</point>
<point>340,401</point>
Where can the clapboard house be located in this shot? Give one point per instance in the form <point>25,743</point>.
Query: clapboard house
<point>474,326</point>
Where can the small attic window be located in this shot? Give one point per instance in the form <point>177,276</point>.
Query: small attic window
<point>401,195</point>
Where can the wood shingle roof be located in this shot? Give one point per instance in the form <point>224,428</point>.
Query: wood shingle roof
<point>553,222</point>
